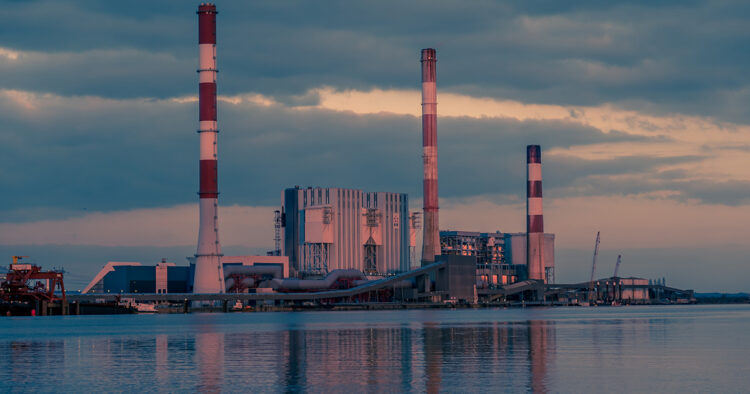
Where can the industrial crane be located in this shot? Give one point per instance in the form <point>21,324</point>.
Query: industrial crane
<point>617,266</point>
<point>593,268</point>
<point>27,283</point>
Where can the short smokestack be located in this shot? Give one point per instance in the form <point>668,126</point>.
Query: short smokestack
<point>534,216</point>
<point>431,233</point>
<point>209,276</point>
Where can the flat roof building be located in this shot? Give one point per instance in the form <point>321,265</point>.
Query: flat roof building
<point>166,277</point>
<point>132,277</point>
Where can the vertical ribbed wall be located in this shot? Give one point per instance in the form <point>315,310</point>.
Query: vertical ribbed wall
<point>209,277</point>
<point>431,232</point>
<point>534,215</point>
<point>348,226</point>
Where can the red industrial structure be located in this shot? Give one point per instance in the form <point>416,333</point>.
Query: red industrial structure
<point>209,277</point>
<point>27,283</point>
<point>431,232</point>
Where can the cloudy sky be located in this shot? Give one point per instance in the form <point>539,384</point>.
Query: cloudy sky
<point>641,109</point>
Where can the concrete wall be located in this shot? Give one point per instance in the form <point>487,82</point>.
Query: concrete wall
<point>458,278</point>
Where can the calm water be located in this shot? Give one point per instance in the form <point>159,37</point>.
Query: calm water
<point>627,349</point>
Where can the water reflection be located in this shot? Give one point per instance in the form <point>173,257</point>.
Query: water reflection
<point>432,336</point>
<point>209,355</point>
<point>557,350</point>
<point>430,358</point>
<point>413,357</point>
<point>541,348</point>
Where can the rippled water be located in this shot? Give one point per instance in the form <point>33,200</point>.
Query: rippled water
<point>626,349</point>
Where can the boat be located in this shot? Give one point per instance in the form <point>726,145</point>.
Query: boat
<point>145,308</point>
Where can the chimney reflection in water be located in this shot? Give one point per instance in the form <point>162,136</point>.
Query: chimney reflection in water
<point>427,357</point>
<point>209,356</point>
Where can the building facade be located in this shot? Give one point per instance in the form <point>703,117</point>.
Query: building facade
<point>501,257</point>
<point>489,249</point>
<point>166,277</point>
<point>132,277</point>
<point>333,228</point>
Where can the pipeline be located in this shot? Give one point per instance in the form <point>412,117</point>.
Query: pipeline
<point>247,274</point>
<point>317,284</point>
<point>274,270</point>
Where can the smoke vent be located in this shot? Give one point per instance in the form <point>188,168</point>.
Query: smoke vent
<point>534,215</point>
<point>209,276</point>
<point>431,233</point>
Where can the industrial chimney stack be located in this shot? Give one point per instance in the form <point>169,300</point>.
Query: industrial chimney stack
<point>431,233</point>
<point>534,217</point>
<point>209,276</point>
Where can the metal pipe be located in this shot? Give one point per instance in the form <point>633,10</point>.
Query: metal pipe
<point>309,284</point>
<point>275,271</point>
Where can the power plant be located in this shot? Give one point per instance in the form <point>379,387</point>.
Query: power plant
<point>337,246</point>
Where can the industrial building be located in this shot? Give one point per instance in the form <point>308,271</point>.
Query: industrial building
<point>515,254</point>
<point>337,245</point>
<point>489,248</point>
<point>501,257</point>
<point>166,277</point>
<point>326,229</point>
<point>132,277</point>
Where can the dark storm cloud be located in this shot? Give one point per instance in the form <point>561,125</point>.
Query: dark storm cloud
<point>683,56</point>
<point>278,148</point>
<point>595,177</point>
<point>79,155</point>
<point>127,154</point>
<point>728,192</point>
<point>105,73</point>
<point>635,175</point>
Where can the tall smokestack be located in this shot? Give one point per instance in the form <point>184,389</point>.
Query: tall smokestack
<point>431,233</point>
<point>209,275</point>
<point>534,217</point>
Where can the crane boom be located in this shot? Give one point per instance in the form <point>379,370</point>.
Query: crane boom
<point>593,267</point>
<point>16,258</point>
<point>617,266</point>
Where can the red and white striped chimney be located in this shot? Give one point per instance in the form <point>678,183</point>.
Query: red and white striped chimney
<point>209,275</point>
<point>534,216</point>
<point>431,232</point>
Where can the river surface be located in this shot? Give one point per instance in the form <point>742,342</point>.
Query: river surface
<point>574,350</point>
